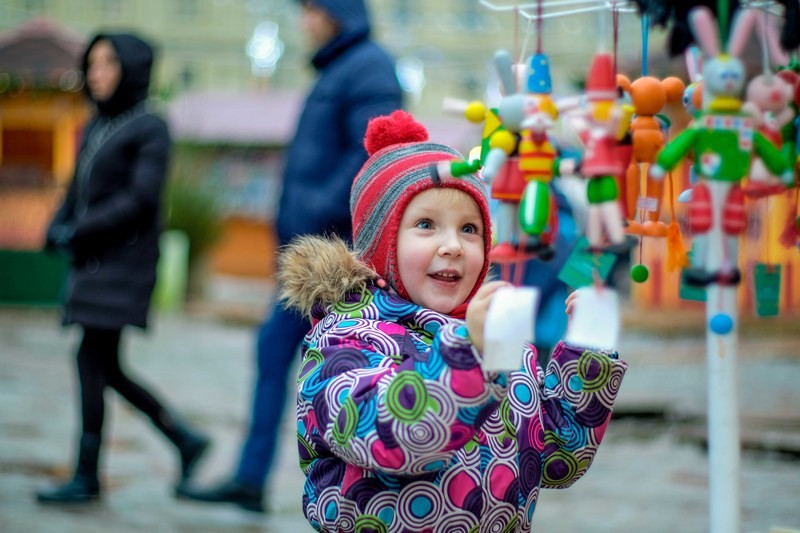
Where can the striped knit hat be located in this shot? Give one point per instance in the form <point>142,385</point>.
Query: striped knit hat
<point>402,164</point>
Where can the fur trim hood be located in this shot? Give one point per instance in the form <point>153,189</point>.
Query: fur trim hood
<point>319,271</point>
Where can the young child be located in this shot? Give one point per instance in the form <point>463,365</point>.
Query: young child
<point>399,427</point>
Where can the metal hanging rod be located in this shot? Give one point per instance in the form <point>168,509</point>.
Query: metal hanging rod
<point>773,8</point>
<point>560,8</point>
<point>528,10</point>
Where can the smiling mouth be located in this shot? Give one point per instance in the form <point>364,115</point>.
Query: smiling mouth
<point>445,276</point>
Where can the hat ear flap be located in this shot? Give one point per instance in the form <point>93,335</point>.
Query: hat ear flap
<point>704,30</point>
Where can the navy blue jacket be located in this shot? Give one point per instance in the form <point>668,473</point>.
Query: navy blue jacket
<point>356,82</point>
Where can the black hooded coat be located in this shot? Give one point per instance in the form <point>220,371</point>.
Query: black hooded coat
<point>109,222</point>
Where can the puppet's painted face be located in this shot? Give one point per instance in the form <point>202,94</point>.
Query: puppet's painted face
<point>103,70</point>
<point>693,97</point>
<point>440,248</point>
<point>723,77</point>
<point>769,93</point>
<point>540,112</point>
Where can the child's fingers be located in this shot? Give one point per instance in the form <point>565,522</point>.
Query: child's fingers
<point>570,302</point>
<point>489,288</point>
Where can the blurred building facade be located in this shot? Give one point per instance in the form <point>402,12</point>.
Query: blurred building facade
<point>444,48</point>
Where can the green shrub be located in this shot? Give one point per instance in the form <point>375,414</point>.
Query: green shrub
<point>193,208</point>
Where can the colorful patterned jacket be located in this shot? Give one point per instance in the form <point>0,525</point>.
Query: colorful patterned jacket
<point>399,429</point>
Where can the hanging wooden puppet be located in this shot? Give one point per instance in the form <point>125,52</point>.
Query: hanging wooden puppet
<point>606,122</point>
<point>522,161</point>
<point>768,102</point>
<point>648,95</point>
<point>724,140</point>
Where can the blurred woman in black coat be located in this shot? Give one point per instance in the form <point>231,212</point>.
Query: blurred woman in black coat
<point>109,226</point>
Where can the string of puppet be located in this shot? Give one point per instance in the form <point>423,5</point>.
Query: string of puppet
<point>520,260</point>
<point>722,9</point>
<point>519,51</point>
<point>765,58</point>
<point>597,279</point>
<point>519,263</point>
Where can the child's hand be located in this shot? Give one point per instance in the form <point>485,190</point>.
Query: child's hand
<point>570,301</point>
<point>477,310</point>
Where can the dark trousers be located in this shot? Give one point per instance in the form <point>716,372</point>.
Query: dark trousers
<point>278,340</point>
<point>99,367</point>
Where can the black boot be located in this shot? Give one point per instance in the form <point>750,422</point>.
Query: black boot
<point>191,445</point>
<point>245,495</point>
<point>84,485</point>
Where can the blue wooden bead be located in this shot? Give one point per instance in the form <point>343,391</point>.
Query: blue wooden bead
<point>721,324</point>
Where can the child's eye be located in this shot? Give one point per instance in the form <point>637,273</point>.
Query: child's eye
<point>424,224</point>
<point>470,228</point>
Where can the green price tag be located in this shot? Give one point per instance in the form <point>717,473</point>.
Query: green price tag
<point>767,289</point>
<point>577,272</point>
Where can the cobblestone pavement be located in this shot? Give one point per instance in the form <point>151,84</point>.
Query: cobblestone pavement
<point>648,475</point>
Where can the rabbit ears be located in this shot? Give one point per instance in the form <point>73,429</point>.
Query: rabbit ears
<point>706,33</point>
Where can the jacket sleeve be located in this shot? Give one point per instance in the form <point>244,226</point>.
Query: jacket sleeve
<point>577,395</point>
<point>66,210</point>
<point>368,408</point>
<point>143,193</point>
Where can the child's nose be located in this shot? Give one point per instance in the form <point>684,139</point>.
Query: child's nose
<point>451,245</point>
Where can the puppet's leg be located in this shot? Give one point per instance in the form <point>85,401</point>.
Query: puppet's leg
<point>612,221</point>
<point>548,250</point>
<point>734,221</point>
<point>594,227</point>
<point>507,232</point>
<point>700,222</point>
<point>534,212</point>
<point>630,192</point>
<point>714,219</point>
<point>599,190</point>
<point>603,191</point>
<point>506,222</point>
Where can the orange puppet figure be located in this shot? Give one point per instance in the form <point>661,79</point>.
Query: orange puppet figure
<point>648,95</point>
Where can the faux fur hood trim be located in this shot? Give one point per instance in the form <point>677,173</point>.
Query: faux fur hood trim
<point>315,270</point>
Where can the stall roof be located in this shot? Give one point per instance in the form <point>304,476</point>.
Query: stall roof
<point>229,117</point>
<point>40,50</point>
<point>268,118</point>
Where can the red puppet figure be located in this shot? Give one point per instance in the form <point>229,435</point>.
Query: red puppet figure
<point>603,161</point>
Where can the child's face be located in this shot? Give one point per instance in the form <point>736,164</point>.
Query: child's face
<point>440,248</point>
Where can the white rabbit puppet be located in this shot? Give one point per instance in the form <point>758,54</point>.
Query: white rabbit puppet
<point>724,139</point>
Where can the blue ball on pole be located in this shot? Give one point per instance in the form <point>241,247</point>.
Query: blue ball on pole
<point>721,324</point>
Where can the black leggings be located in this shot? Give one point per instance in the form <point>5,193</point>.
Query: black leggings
<point>98,367</point>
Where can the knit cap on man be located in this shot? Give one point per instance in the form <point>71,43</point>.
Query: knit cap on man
<point>401,165</point>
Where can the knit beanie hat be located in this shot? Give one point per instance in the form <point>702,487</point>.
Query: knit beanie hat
<point>402,164</point>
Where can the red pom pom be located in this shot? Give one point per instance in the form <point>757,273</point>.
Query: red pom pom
<point>397,128</point>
